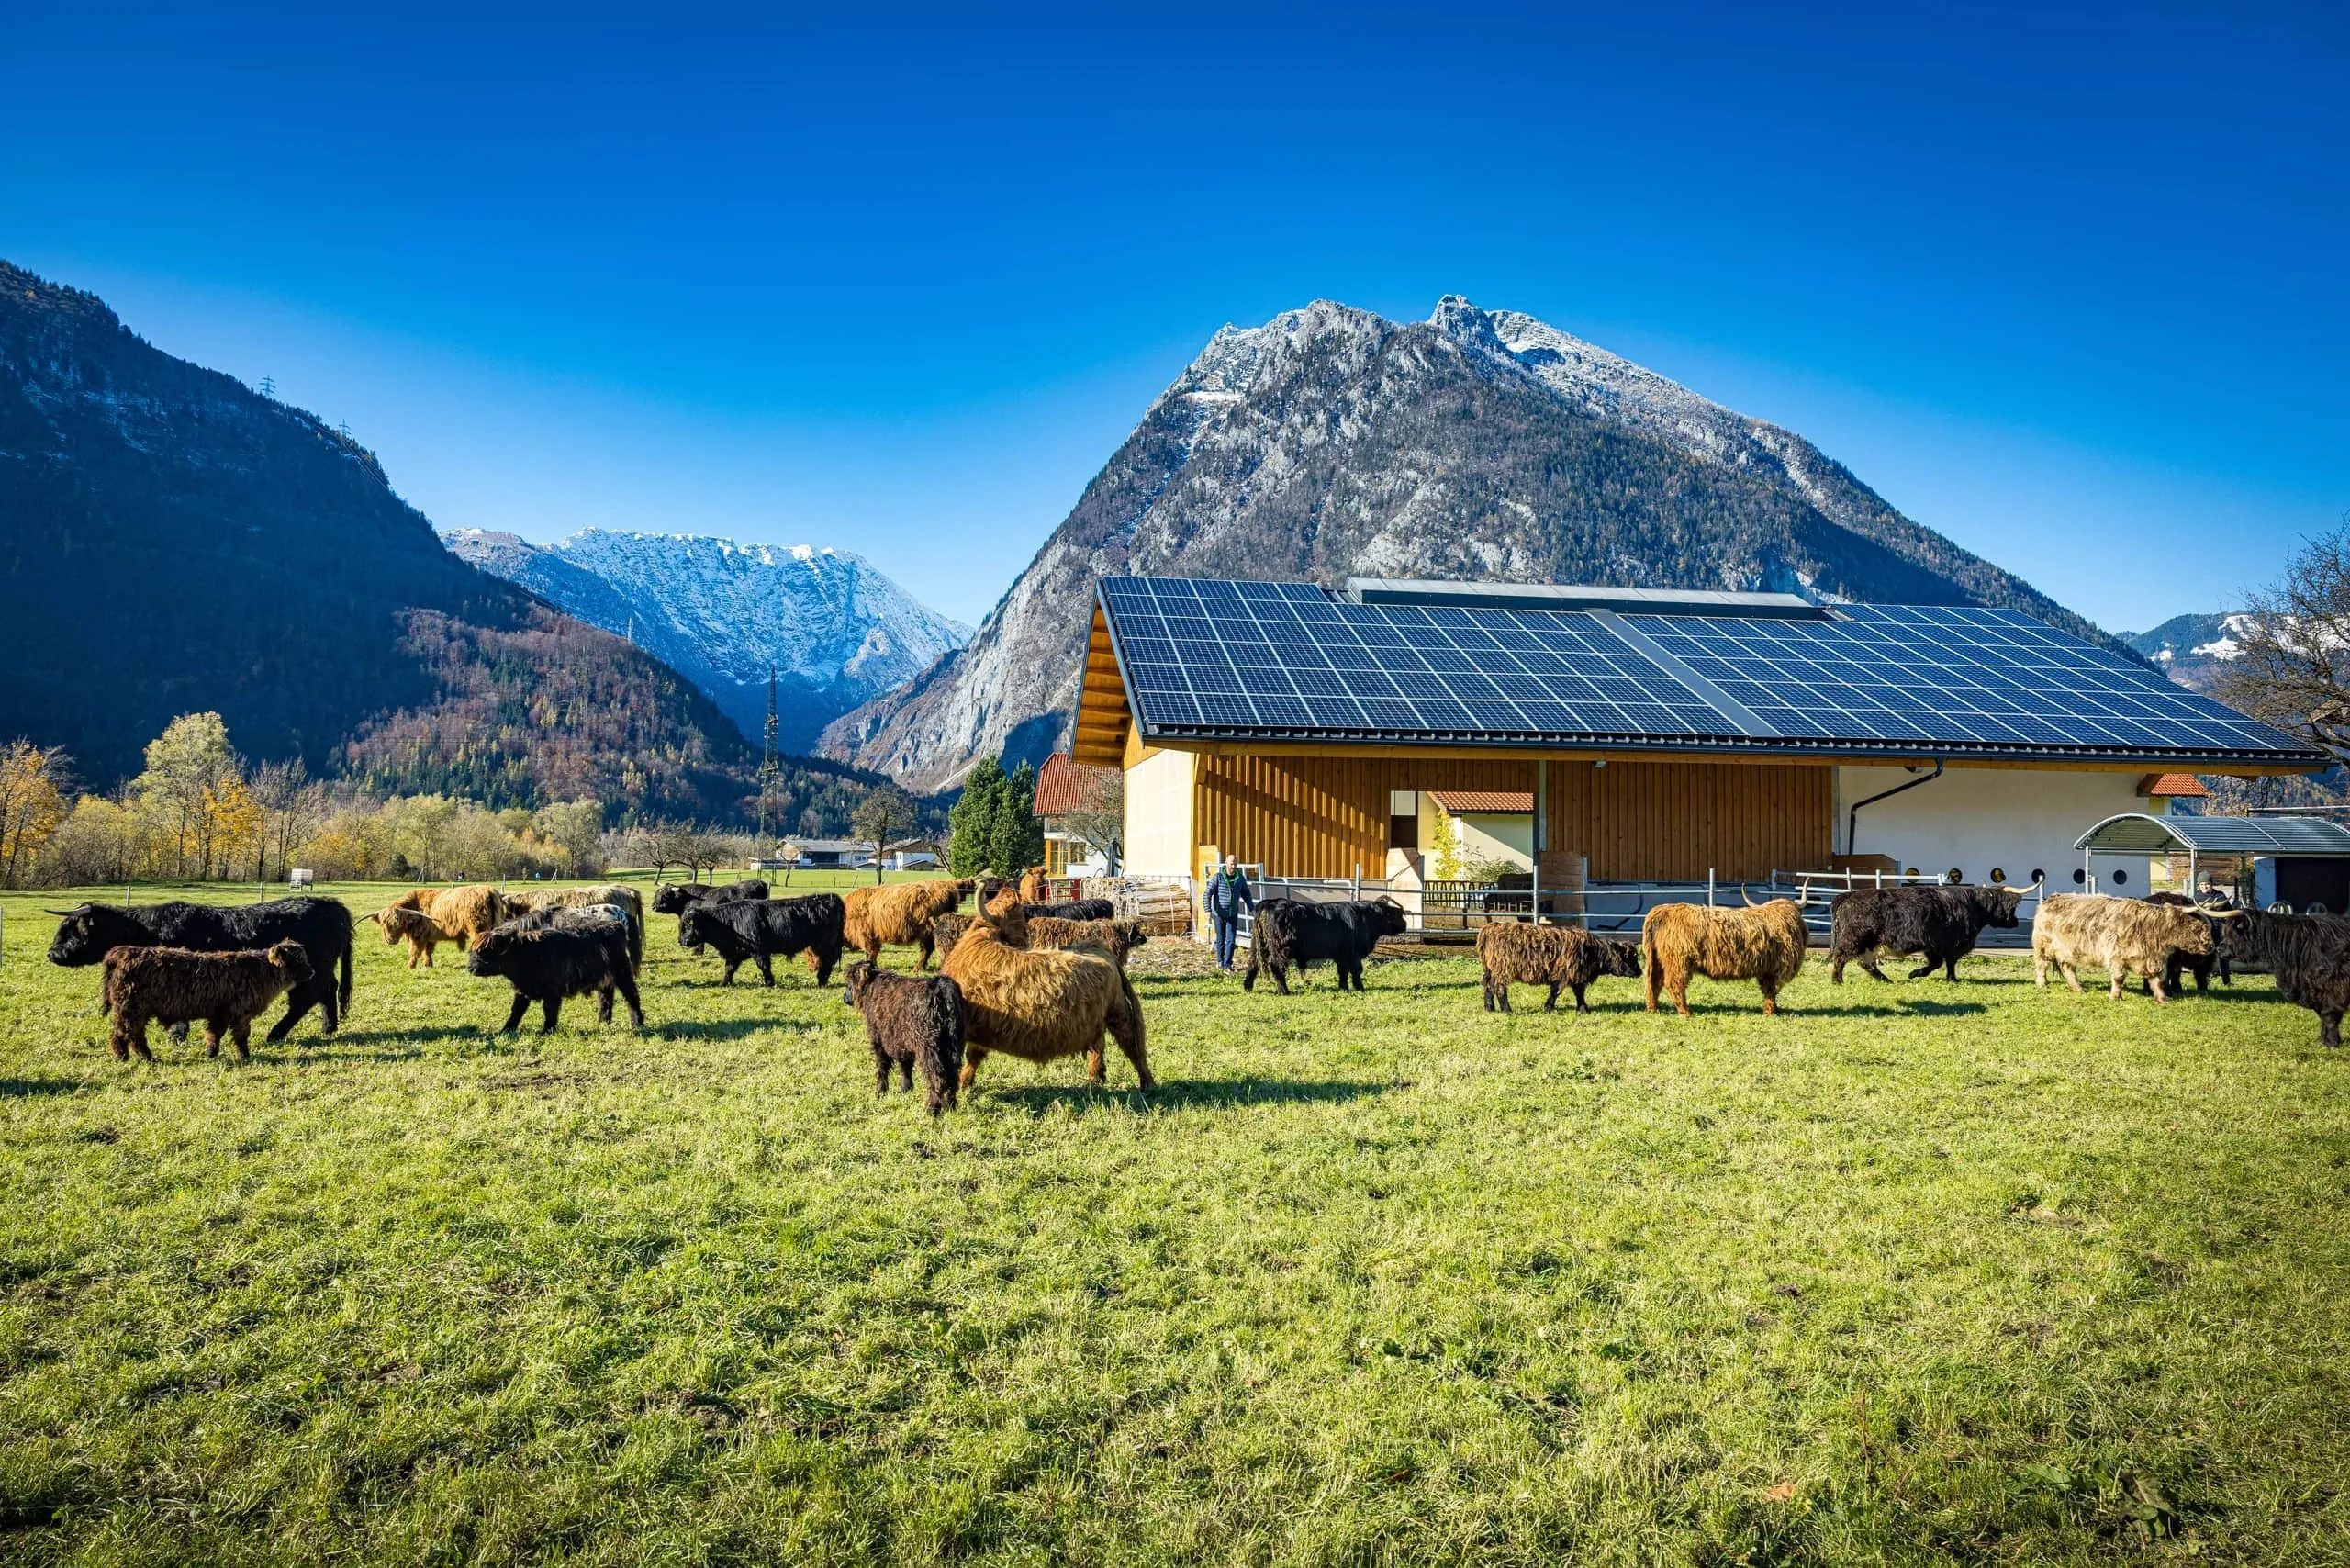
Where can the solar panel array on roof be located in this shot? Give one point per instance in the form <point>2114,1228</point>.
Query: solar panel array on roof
<point>1245,660</point>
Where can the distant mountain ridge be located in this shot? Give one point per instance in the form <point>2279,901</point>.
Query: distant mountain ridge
<point>2191,648</point>
<point>835,631</point>
<point>172,540</point>
<point>1477,444</point>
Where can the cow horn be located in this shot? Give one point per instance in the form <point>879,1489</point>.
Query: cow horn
<point>60,914</point>
<point>2213,914</point>
<point>1748,897</point>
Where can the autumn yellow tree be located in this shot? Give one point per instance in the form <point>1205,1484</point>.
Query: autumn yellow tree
<point>31,804</point>
<point>231,827</point>
<point>188,766</point>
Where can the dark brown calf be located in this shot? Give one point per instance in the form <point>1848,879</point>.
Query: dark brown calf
<point>909,1020</point>
<point>174,985</point>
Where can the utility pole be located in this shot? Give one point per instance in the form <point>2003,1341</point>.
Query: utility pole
<point>770,769</point>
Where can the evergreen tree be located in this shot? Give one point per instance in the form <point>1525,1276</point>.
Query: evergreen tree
<point>972,820</point>
<point>1018,840</point>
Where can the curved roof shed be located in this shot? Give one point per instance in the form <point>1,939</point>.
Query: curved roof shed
<point>2134,833</point>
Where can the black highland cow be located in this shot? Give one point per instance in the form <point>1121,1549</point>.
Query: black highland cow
<point>1942,923</point>
<point>911,1020</point>
<point>1290,931</point>
<point>756,930</point>
<point>2308,955</point>
<point>547,966</point>
<point>87,932</point>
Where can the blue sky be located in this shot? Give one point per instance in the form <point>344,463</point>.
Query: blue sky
<point>2067,286</point>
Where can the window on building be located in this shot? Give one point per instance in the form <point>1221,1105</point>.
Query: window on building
<point>1403,819</point>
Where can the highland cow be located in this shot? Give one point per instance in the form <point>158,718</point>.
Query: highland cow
<point>2308,955</point>
<point>1116,938</point>
<point>175,985</point>
<point>910,1022</point>
<point>1290,931</point>
<point>2122,936</point>
<point>1554,956</point>
<point>87,932</point>
<point>619,893</point>
<point>1041,1006</point>
<point>461,914</point>
<point>1942,923</point>
<point>1070,909</point>
<point>756,930</point>
<point>674,898</point>
<point>1763,942</point>
<point>423,934</point>
<point>899,915</point>
<point>547,966</point>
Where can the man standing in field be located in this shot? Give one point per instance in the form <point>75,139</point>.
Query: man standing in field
<point>1228,895</point>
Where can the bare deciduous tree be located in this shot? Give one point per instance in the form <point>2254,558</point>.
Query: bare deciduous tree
<point>2293,667</point>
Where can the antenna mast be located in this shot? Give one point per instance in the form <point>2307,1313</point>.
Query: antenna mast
<point>769,769</point>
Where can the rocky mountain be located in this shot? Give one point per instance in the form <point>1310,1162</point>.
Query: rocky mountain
<point>172,540</point>
<point>2189,648</point>
<point>1332,443</point>
<point>835,631</point>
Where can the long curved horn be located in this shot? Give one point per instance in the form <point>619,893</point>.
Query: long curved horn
<point>2222,915</point>
<point>62,913</point>
<point>1747,896</point>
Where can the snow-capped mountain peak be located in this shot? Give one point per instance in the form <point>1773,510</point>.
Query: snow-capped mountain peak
<point>833,629</point>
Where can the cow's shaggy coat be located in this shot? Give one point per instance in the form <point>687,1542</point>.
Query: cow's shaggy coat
<point>2308,955</point>
<point>1115,938</point>
<point>2122,936</point>
<point>756,930</point>
<point>1033,888</point>
<point>461,914</point>
<point>1553,955</point>
<point>673,897</point>
<point>619,893</point>
<point>1290,931</point>
<point>911,1022</point>
<point>1041,1006</point>
<point>1940,922</point>
<point>900,913</point>
<point>1070,909</point>
<point>174,985</point>
<point>547,966</point>
<point>87,932</point>
<point>1764,944</point>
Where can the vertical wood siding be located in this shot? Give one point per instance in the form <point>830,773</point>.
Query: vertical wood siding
<point>1636,821</point>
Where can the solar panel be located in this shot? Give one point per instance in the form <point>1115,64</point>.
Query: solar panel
<point>1245,658</point>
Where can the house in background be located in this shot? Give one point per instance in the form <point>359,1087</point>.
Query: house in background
<point>826,854</point>
<point>1063,788</point>
<point>1460,828</point>
<point>1658,735</point>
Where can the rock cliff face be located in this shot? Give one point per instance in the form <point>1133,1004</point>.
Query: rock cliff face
<point>835,631</point>
<point>1332,443</point>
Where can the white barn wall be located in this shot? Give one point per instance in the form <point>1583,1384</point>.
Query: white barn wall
<point>1159,840</point>
<point>1979,819</point>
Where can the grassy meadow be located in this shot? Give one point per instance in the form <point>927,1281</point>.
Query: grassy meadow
<point>1913,1273</point>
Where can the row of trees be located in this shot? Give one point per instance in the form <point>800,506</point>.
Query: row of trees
<point>197,811</point>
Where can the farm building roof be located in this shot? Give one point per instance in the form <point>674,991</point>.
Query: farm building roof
<point>1460,801</point>
<point>1062,784</point>
<point>2135,833</point>
<point>1759,675</point>
<point>2173,786</point>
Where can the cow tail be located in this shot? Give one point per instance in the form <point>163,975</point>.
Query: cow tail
<point>343,989</point>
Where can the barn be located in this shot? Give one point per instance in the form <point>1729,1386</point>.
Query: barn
<point>1654,735</point>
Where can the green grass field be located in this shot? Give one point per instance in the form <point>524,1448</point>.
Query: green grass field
<point>1914,1273</point>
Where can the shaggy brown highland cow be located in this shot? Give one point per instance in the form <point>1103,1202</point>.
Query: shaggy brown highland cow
<point>466,913</point>
<point>2122,936</point>
<point>628,898</point>
<point>1555,955</point>
<point>900,913</point>
<point>909,1021</point>
<point>1032,887</point>
<point>1763,942</point>
<point>423,934</point>
<point>1113,939</point>
<point>173,985</point>
<point>946,930</point>
<point>1041,1006</point>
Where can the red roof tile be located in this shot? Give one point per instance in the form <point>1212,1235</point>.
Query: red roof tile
<point>1458,800</point>
<point>1061,784</point>
<point>2175,786</point>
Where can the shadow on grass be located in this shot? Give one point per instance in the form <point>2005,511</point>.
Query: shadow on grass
<point>33,1088</point>
<point>727,1028</point>
<point>1922,1007</point>
<point>1176,1094</point>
